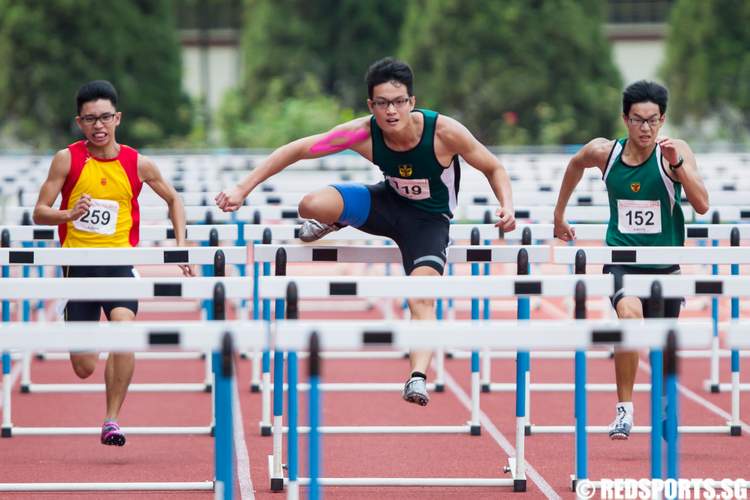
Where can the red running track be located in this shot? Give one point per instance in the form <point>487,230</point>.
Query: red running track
<point>190,458</point>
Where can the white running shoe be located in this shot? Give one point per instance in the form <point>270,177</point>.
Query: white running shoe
<point>620,428</point>
<point>313,230</point>
<point>415,391</point>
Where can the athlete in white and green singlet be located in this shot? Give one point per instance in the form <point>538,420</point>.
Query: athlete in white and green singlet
<point>645,175</point>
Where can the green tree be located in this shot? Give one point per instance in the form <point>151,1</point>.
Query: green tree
<point>281,118</point>
<point>50,48</point>
<point>707,64</point>
<point>333,41</point>
<point>515,71</point>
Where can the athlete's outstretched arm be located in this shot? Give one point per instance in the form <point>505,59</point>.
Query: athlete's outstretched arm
<point>44,214</point>
<point>593,154</point>
<point>353,135</point>
<point>459,140</point>
<point>687,175</point>
<point>150,174</point>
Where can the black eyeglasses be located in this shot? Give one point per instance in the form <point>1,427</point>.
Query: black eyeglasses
<point>398,102</point>
<point>638,121</point>
<point>92,119</point>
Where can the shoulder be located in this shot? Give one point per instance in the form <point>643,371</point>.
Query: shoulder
<point>451,132</point>
<point>597,150</point>
<point>61,160</point>
<point>363,122</point>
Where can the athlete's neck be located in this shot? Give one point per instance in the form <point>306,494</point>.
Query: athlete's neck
<point>108,152</point>
<point>408,137</point>
<point>634,154</point>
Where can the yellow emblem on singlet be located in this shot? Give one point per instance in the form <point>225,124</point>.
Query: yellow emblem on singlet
<point>405,170</point>
<point>635,187</point>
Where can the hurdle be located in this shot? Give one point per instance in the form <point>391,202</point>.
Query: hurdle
<point>217,288</point>
<point>714,256</point>
<point>136,336</point>
<point>518,335</point>
<point>421,287</point>
<point>218,257</point>
<point>367,254</point>
<point>708,285</point>
<point>660,255</point>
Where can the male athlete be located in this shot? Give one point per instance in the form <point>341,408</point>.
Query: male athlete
<point>645,174</point>
<point>100,180</point>
<point>417,151</point>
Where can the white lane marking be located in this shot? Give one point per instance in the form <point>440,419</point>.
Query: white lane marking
<point>500,439</point>
<point>240,450</point>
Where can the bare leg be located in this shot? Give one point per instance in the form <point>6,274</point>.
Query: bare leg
<point>422,309</point>
<point>626,362</point>
<point>119,370</point>
<point>84,364</point>
<point>324,205</point>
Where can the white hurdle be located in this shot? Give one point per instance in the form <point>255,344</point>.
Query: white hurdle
<point>515,335</point>
<point>267,253</point>
<point>110,288</point>
<point>278,287</point>
<point>681,286</point>
<point>215,337</point>
<point>217,256</point>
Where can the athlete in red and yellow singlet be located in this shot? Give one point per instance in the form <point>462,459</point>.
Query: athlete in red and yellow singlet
<point>100,180</point>
<point>113,184</point>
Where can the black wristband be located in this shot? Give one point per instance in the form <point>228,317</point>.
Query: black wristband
<point>677,165</point>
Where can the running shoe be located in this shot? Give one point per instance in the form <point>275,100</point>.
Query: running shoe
<point>620,428</point>
<point>112,435</point>
<point>313,230</point>
<point>415,391</point>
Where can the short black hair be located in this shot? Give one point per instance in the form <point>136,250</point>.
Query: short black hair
<point>387,70</point>
<point>645,91</point>
<point>95,90</point>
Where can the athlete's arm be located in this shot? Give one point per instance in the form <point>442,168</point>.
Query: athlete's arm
<point>593,154</point>
<point>687,174</point>
<point>354,135</point>
<point>149,173</point>
<point>454,137</point>
<point>44,214</point>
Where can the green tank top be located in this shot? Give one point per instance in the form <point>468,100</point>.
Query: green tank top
<point>416,176</point>
<point>644,202</point>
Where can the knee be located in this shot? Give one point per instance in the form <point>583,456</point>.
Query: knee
<point>422,308</point>
<point>309,205</point>
<point>84,369</point>
<point>629,312</point>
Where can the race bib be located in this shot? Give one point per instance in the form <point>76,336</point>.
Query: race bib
<point>414,189</point>
<point>101,217</point>
<point>639,216</point>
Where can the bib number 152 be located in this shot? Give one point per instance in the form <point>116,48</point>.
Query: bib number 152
<point>639,216</point>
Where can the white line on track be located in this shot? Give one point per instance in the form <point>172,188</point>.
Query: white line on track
<point>500,439</point>
<point>240,449</point>
<point>698,399</point>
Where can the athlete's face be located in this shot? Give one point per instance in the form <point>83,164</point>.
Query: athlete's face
<point>391,105</point>
<point>98,121</point>
<point>644,122</point>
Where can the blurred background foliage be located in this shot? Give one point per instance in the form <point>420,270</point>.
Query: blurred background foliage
<point>48,49</point>
<point>516,72</point>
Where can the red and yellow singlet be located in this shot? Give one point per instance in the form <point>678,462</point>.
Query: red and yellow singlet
<point>114,186</point>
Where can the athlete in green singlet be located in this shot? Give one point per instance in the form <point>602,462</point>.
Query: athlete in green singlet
<point>645,175</point>
<point>417,150</point>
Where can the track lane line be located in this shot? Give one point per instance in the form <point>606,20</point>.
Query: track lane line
<point>500,439</point>
<point>247,492</point>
